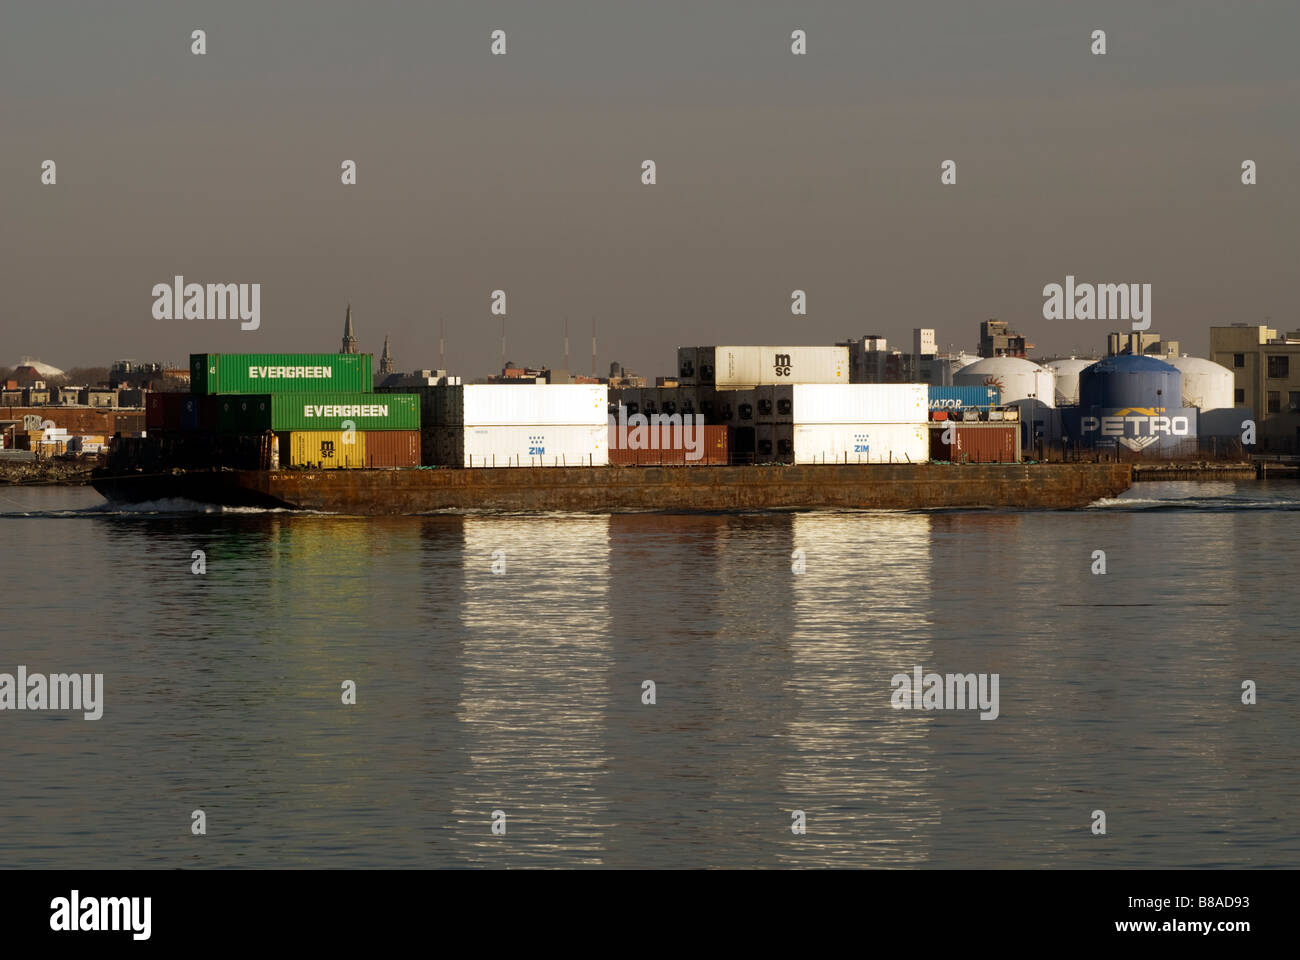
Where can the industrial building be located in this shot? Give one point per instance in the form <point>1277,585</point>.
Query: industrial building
<point>1266,383</point>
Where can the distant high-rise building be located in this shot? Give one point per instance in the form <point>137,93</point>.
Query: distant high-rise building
<point>349,340</point>
<point>386,361</point>
<point>998,341</point>
<point>1140,344</point>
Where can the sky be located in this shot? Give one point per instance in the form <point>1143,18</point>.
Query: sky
<point>523,173</point>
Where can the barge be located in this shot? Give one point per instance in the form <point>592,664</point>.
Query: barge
<point>401,491</point>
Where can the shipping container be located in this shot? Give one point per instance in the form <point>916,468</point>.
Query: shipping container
<point>517,446</point>
<point>757,366</point>
<point>736,407</point>
<point>687,373</point>
<point>960,398</point>
<point>975,443</point>
<point>393,448</point>
<point>162,411</point>
<point>774,404</point>
<point>318,411</point>
<point>861,403</point>
<point>322,449</point>
<point>667,445</point>
<point>774,443</point>
<point>862,443</point>
<point>259,373</point>
<point>525,404</point>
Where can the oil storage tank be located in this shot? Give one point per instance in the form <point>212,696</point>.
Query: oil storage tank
<point>1067,372</point>
<point>1206,385</point>
<point>1134,403</point>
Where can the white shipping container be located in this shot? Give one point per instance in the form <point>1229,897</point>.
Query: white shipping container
<point>862,443</point>
<point>524,446</point>
<point>861,403</point>
<point>532,404</point>
<point>757,366</point>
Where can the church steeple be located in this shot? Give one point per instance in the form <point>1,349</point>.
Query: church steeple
<point>349,340</point>
<point>386,361</point>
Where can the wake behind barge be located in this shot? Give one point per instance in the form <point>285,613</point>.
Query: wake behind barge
<point>401,491</point>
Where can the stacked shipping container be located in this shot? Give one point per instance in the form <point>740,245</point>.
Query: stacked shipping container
<point>530,424</point>
<point>861,423</point>
<point>253,394</point>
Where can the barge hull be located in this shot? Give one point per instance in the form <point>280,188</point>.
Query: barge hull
<point>619,489</point>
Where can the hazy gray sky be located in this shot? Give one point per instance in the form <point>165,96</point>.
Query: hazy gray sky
<point>522,172</point>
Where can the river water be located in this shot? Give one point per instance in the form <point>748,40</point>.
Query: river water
<point>521,691</point>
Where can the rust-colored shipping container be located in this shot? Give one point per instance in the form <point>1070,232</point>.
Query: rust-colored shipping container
<point>162,411</point>
<point>938,414</point>
<point>976,443</point>
<point>666,446</point>
<point>392,448</point>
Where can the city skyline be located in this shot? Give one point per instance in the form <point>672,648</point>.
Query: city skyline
<point>522,173</point>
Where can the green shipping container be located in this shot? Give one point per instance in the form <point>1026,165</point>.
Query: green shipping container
<point>318,411</point>
<point>260,373</point>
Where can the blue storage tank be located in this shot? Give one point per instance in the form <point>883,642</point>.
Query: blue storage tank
<point>1134,402</point>
<point>1130,381</point>
<point>963,398</point>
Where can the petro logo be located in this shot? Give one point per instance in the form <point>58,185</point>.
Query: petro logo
<point>1137,427</point>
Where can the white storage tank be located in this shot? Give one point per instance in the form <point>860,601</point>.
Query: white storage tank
<point>861,443</point>
<point>1015,377</point>
<point>1206,385</point>
<point>758,366</point>
<point>861,403</point>
<point>1066,372</point>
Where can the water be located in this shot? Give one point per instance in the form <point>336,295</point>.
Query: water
<point>522,692</point>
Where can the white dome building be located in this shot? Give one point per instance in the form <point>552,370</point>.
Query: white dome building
<point>1206,385</point>
<point>44,369</point>
<point>1017,378</point>
<point>1067,378</point>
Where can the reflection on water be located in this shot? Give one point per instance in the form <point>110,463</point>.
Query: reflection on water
<point>522,691</point>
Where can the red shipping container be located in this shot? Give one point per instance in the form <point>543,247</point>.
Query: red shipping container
<point>392,448</point>
<point>667,446</point>
<point>162,411</point>
<point>985,443</point>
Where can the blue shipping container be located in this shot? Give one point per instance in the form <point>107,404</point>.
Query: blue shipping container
<point>964,398</point>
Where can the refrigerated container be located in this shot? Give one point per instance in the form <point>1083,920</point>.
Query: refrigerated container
<point>862,443</point>
<point>687,372</point>
<point>861,403</point>
<point>774,443</point>
<point>752,366</point>
<point>531,404</point>
<point>534,445</point>
<point>736,407</point>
